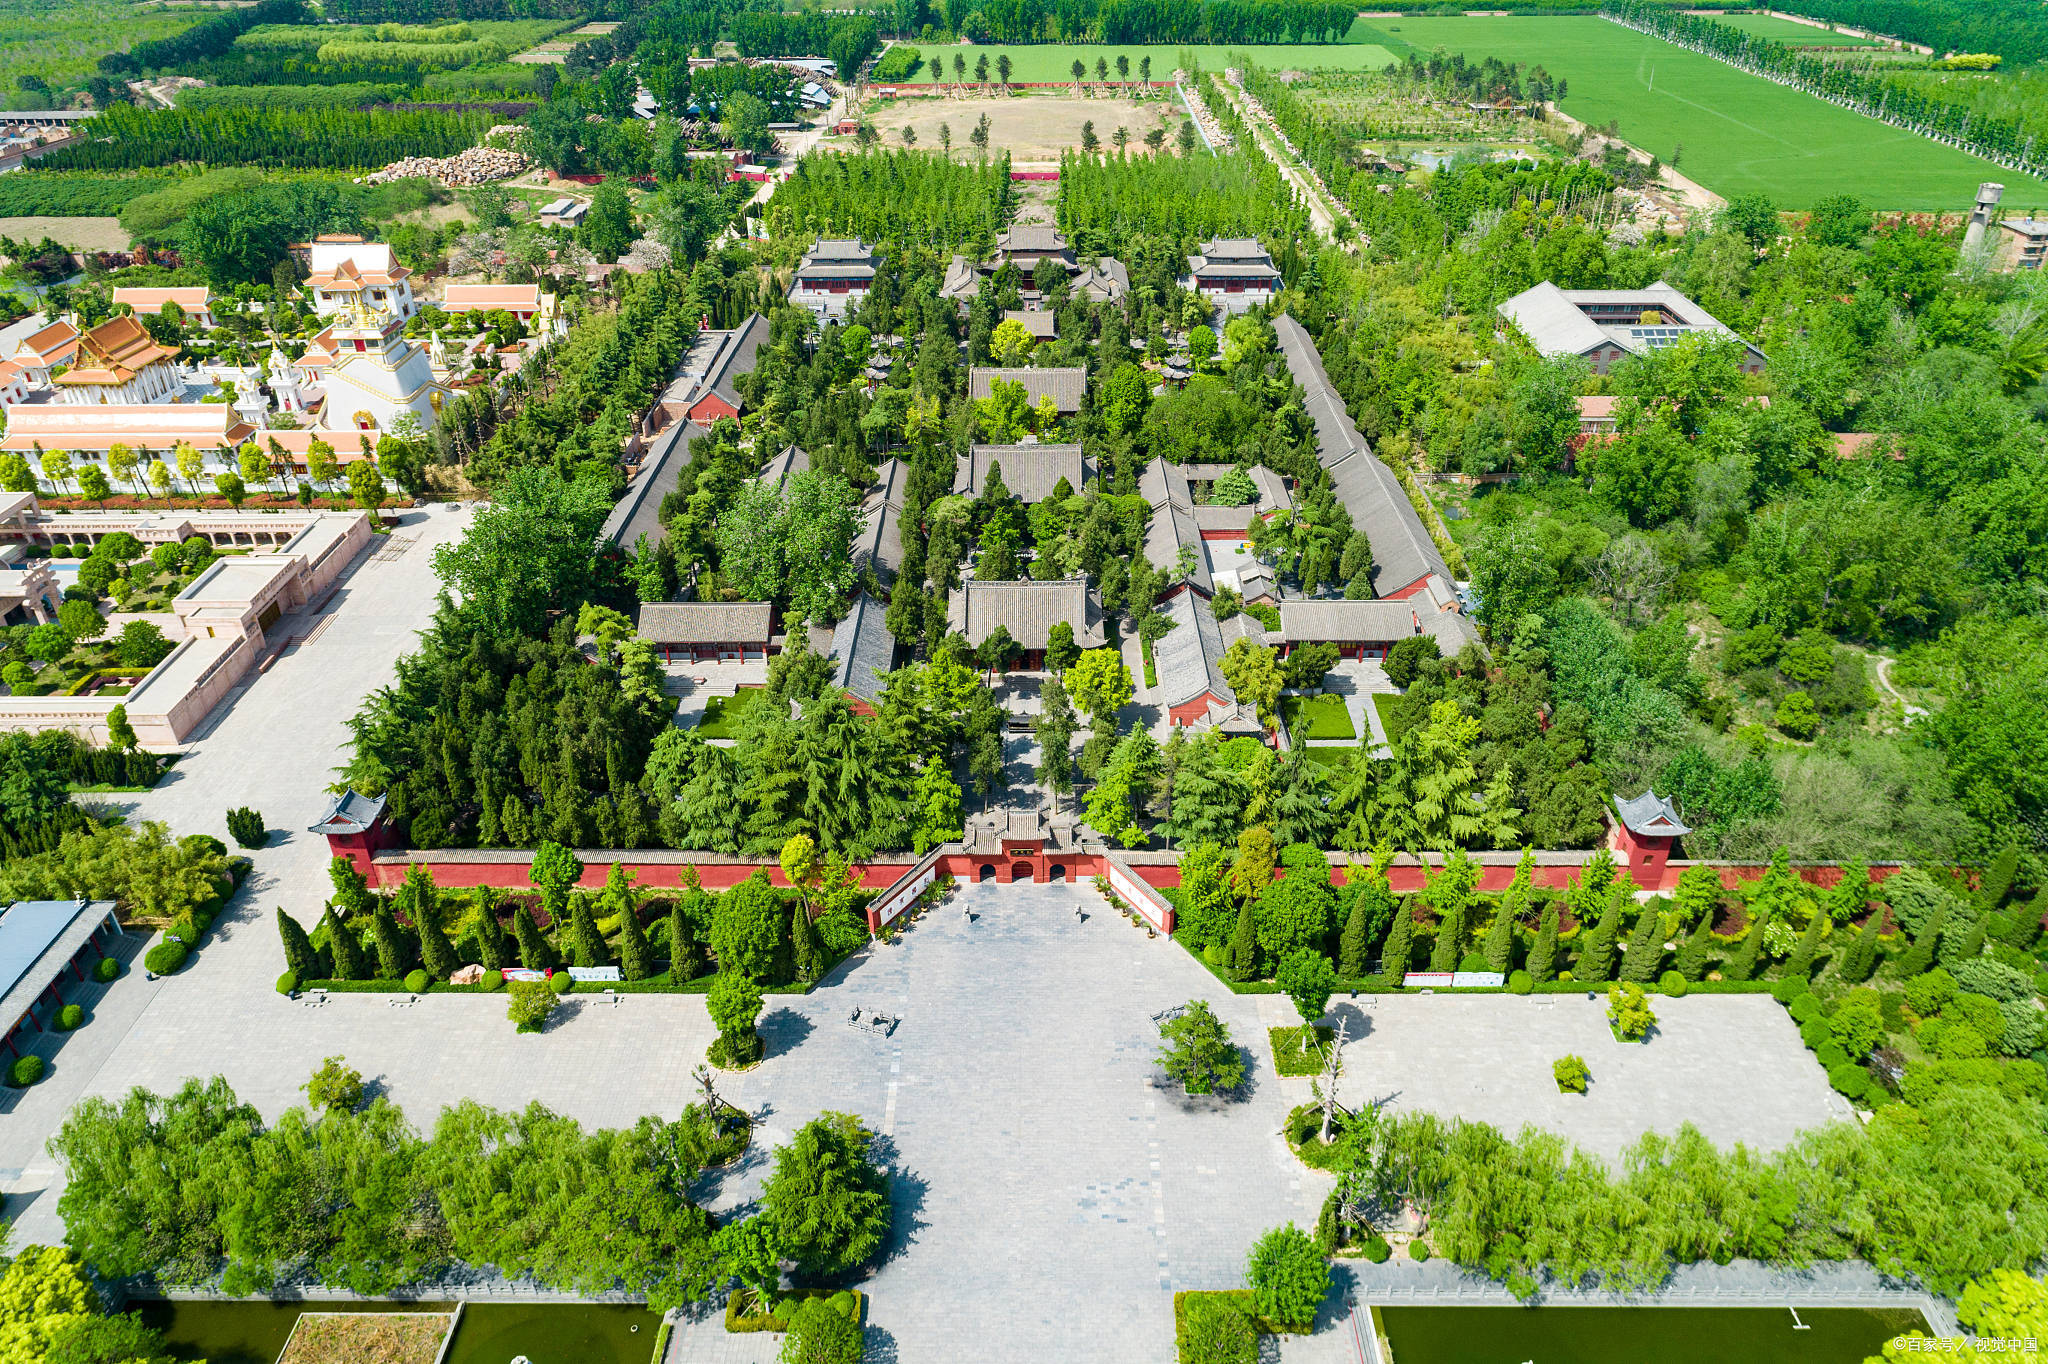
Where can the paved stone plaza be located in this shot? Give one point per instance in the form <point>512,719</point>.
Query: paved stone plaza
<point>1050,1196</point>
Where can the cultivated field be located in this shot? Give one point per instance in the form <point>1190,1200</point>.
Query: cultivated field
<point>1054,61</point>
<point>1740,133</point>
<point>1792,34</point>
<point>80,234</point>
<point>1028,127</point>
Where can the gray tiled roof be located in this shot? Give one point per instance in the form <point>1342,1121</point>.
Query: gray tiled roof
<point>1030,472</point>
<point>639,511</point>
<point>707,622</point>
<point>1188,659</point>
<point>738,357</point>
<point>1027,609</point>
<point>862,649</point>
<point>1348,622</point>
<point>1105,281</point>
<point>792,460</point>
<point>1066,385</point>
<point>962,280</point>
<point>1041,324</point>
<point>1031,239</point>
<point>1401,548</point>
<point>351,812</point>
<point>1165,489</point>
<point>880,541</point>
<point>1650,813</point>
<point>1556,322</point>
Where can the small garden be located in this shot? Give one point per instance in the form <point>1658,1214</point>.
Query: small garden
<point>724,716</point>
<point>1326,716</point>
<point>1287,1276</point>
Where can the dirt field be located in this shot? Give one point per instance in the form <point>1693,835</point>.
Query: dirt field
<point>1029,127</point>
<point>80,234</point>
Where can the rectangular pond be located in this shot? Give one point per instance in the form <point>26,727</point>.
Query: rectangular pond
<point>1631,1335</point>
<point>490,1333</point>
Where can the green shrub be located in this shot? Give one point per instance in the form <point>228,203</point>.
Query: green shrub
<point>1520,983</point>
<point>493,979</point>
<point>165,958</point>
<point>26,1070</point>
<point>70,1017</point>
<point>1790,988</point>
<point>1377,1250</point>
<point>1852,1081</point>
<point>188,930</point>
<point>107,971</point>
<point>1215,1328</point>
<point>288,983</point>
<point>1927,992</point>
<point>416,980</point>
<point>1473,961</point>
<point>1418,1251</point>
<point>1288,1276</point>
<point>1830,1054</point>
<point>820,1335</point>
<point>1804,1007</point>
<point>1673,984</point>
<point>1571,1074</point>
<point>561,982</point>
<point>1813,1032</point>
<point>245,826</point>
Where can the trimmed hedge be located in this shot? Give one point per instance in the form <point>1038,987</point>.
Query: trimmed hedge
<point>1520,983</point>
<point>107,971</point>
<point>1377,1250</point>
<point>288,983</point>
<point>165,958</point>
<point>26,1070</point>
<point>416,981</point>
<point>1673,984</point>
<point>69,1017</point>
<point>561,982</point>
<point>848,1302</point>
<point>1418,1251</point>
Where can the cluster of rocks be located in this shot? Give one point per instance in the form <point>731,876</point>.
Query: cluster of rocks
<point>476,166</point>
<point>1218,139</point>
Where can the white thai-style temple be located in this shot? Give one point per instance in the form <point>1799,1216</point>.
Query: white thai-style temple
<point>118,364</point>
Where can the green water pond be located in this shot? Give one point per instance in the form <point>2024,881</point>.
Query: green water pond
<point>490,1333</point>
<point>1631,1335</point>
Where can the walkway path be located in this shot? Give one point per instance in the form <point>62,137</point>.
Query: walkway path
<point>1322,209</point>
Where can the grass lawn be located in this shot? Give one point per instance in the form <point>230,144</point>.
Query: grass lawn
<point>1055,61</point>
<point>1395,715</point>
<point>1741,133</point>
<point>723,714</point>
<point>1294,1054</point>
<point>1327,716</point>
<point>1791,34</point>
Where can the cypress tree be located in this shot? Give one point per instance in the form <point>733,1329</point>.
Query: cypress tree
<point>1450,933</point>
<point>422,904</point>
<point>803,937</point>
<point>1499,946</point>
<point>1964,944</point>
<point>1596,953</point>
<point>1861,958</point>
<point>345,951</point>
<point>1742,965</point>
<point>1353,945</point>
<point>536,953</point>
<point>1920,956</point>
<point>1542,964</point>
<point>1244,946</point>
<point>393,960</point>
<point>493,951</point>
<point>1800,963</point>
<point>1400,945</point>
<point>1645,947</point>
<point>2022,925</point>
<point>585,943</point>
<point>683,957</point>
<point>636,959</point>
<point>1997,879</point>
<point>299,957</point>
<point>1691,961</point>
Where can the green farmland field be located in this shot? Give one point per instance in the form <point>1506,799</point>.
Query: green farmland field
<point>1054,61</point>
<point>1791,34</point>
<point>1740,133</point>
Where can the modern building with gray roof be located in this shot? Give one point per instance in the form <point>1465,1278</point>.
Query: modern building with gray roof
<point>1064,385</point>
<point>1028,609</point>
<point>41,943</point>
<point>1604,325</point>
<point>1031,472</point>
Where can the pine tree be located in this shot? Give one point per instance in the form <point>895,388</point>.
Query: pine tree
<point>393,960</point>
<point>2022,925</point>
<point>1997,878</point>
<point>421,903</point>
<point>1353,945</point>
<point>346,952</point>
<point>1861,958</point>
<point>1596,951</point>
<point>1916,959</point>
<point>1244,946</point>
<point>1742,965</point>
<point>803,937</point>
<point>1800,963</point>
<point>1966,944</point>
<point>536,953</point>
<point>1450,935</point>
<point>584,943</point>
<point>351,892</point>
<point>1400,944</point>
<point>299,957</point>
<point>1499,946</point>
<point>683,957</point>
<point>1543,956</point>
<point>1691,961</point>
<point>1645,947</point>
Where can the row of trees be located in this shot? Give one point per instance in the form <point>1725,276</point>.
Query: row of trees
<point>1921,108</point>
<point>194,1185</point>
<point>127,138</point>
<point>904,198</point>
